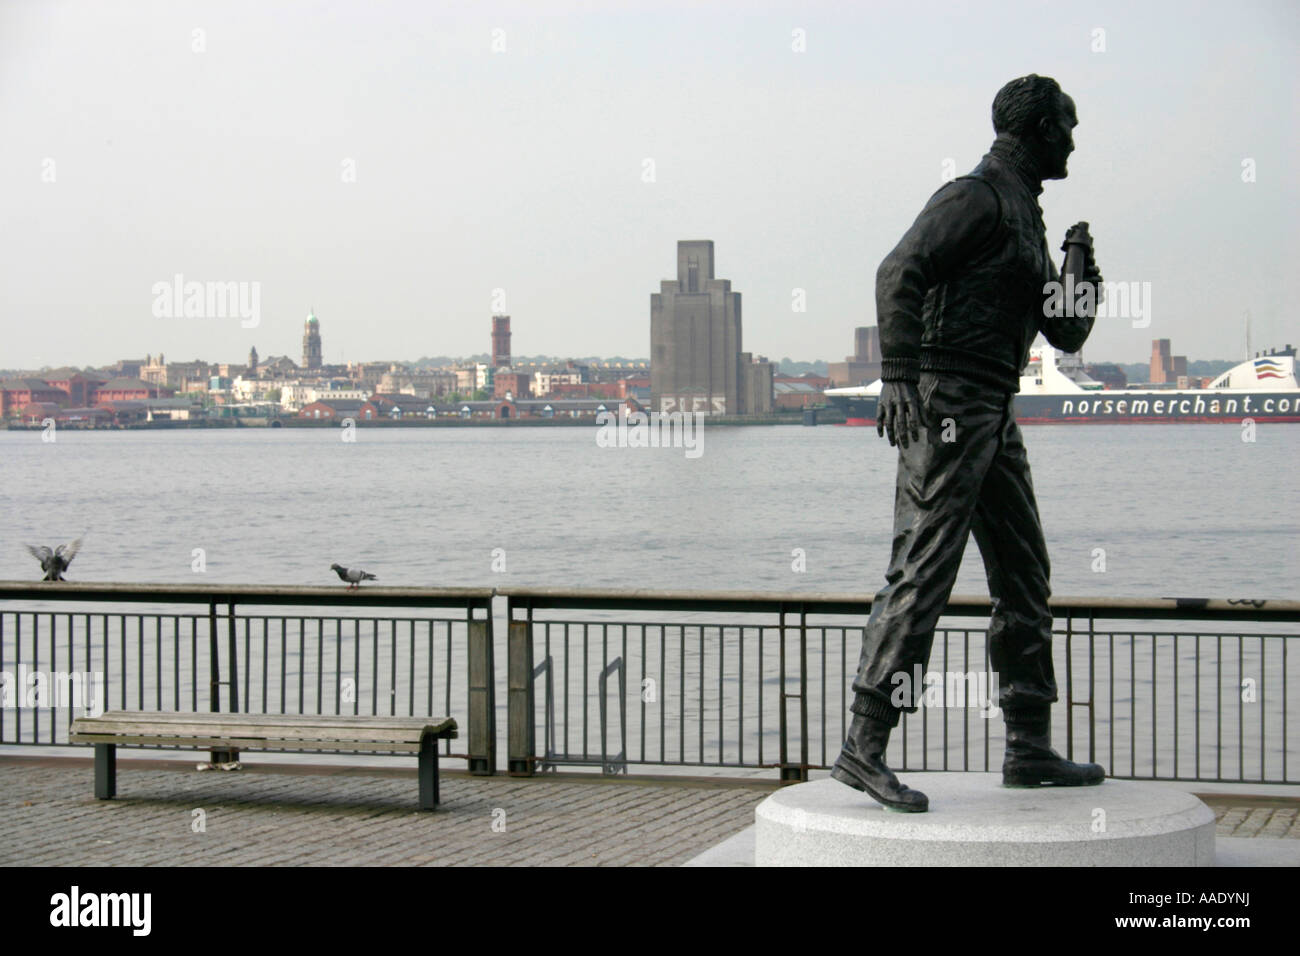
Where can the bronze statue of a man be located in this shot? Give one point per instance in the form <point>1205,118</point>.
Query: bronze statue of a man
<point>959,302</point>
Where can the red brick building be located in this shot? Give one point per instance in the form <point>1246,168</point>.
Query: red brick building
<point>338,409</point>
<point>628,387</point>
<point>610,390</point>
<point>128,390</point>
<point>401,406</point>
<point>514,383</point>
<point>795,395</point>
<point>819,382</point>
<point>79,386</point>
<point>799,391</point>
<point>17,393</point>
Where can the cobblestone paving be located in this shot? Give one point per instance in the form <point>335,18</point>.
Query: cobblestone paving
<point>1256,821</point>
<point>49,817</point>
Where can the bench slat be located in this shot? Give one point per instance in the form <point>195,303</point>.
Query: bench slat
<point>247,743</point>
<point>297,727</point>
<point>332,720</point>
<point>166,715</point>
<point>269,731</point>
<point>256,732</point>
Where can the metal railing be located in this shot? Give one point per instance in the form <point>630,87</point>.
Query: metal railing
<point>290,660</point>
<point>699,679</point>
<point>753,680</point>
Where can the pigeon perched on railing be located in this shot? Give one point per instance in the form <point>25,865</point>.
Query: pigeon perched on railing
<point>354,576</point>
<point>55,562</point>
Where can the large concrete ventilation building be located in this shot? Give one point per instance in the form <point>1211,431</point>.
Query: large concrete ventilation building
<point>696,358</point>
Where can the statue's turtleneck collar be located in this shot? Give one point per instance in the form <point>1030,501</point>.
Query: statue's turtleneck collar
<point>1010,151</point>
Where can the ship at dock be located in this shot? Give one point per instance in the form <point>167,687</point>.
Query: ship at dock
<point>1055,389</point>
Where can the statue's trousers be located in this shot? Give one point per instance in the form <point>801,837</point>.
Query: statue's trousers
<point>968,472</point>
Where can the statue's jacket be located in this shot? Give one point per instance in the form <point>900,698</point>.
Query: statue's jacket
<point>963,291</point>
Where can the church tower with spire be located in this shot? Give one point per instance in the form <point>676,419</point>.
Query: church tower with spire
<point>311,351</point>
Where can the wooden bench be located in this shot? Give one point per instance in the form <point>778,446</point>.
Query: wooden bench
<point>117,728</point>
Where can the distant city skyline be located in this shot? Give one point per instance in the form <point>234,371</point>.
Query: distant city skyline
<point>407,170</point>
<point>543,357</point>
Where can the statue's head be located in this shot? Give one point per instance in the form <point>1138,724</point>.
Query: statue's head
<point>1034,111</point>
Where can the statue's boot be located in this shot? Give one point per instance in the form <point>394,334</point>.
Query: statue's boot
<point>1030,760</point>
<point>861,765</point>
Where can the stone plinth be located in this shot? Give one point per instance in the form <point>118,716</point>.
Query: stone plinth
<point>975,821</point>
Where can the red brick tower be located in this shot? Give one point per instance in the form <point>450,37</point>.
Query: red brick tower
<point>500,341</point>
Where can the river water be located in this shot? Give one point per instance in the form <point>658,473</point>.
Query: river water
<point>1177,510</point>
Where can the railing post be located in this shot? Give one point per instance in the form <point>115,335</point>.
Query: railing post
<point>781,728</point>
<point>795,772</point>
<point>214,671</point>
<point>1069,687</point>
<point>1092,689</point>
<point>803,694</point>
<point>214,665</point>
<point>521,761</point>
<point>482,750</point>
<point>1070,702</point>
<point>233,664</point>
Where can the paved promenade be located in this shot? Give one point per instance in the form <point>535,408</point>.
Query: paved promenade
<point>340,816</point>
<point>286,815</point>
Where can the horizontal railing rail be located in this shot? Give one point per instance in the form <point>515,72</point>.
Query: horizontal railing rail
<point>245,594</point>
<point>1173,608</point>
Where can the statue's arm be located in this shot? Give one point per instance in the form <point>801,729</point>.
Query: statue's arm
<point>954,226</point>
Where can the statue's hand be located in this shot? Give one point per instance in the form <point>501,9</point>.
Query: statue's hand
<point>898,412</point>
<point>1078,234</point>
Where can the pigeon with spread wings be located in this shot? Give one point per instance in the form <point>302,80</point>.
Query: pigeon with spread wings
<point>55,562</point>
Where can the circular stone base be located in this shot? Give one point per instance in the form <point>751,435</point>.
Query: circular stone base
<point>975,821</point>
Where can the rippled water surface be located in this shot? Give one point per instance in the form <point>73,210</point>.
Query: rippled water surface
<point>1178,510</point>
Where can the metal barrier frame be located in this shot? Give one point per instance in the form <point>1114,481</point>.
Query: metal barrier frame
<point>1075,619</point>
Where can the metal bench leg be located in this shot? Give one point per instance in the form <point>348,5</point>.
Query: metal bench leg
<point>105,771</point>
<point>429,797</point>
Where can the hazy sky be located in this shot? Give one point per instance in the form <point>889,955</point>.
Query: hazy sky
<point>131,156</point>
